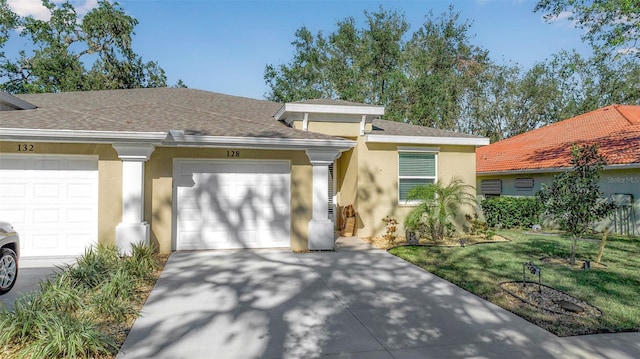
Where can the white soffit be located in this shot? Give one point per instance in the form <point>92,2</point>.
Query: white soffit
<point>328,109</point>
<point>426,140</point>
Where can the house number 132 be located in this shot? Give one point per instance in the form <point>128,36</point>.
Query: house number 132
<point>24,147</point>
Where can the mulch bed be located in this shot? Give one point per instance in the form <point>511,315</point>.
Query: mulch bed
<point>468,240</point>
<point>549,299</point>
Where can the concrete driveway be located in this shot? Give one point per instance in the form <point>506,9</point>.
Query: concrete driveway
<point>357,302</point>
<point>30,272</point>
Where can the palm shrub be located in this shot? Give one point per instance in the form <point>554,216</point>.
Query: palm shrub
<point>439,204</point>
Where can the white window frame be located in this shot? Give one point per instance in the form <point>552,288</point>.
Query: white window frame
<point>422,150</point>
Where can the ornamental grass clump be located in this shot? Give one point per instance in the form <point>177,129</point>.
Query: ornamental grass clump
<point>74,313</point>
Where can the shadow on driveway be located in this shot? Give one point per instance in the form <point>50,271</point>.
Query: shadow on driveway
<point>358,303</point>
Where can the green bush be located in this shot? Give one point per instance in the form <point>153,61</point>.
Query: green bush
<point>511,212</point>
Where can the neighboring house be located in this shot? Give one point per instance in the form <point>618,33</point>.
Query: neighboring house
<point>518,165</point>
<point>189,169</point>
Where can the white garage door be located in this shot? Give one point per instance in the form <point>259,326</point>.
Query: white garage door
<point>232,204</point>
<point>52,201</point>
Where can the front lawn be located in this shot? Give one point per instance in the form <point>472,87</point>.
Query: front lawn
<point>614,289</point>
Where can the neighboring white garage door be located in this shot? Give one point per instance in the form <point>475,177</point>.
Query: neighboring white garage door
<point>232,204</point>
<point>52,201</point>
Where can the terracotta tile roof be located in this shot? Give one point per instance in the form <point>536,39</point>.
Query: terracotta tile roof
<point>615,128</point>
<point>393,128</point>
<point>154,110</point>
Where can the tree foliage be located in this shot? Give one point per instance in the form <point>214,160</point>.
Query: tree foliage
<point>609,24</point>
<point>71,53</point>
<point>574,199</point>
<point>437,77</point>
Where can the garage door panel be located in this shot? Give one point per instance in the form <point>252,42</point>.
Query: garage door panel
<point>79,190</point>
<point>238,203</point>
<point>52,201</point>
<point>47,190</point>
<point>12,190</point>
<point>81,215</point>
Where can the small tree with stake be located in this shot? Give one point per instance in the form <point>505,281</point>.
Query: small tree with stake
<point>574,198</point>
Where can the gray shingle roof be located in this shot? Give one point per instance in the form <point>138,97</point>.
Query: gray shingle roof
<point>392,128</point>
<point>192,111</point>
<point>154,110</point>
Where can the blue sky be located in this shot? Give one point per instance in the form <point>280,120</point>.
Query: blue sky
<point>223,46</point>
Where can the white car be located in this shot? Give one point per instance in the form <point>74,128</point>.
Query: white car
<point>9,254</point>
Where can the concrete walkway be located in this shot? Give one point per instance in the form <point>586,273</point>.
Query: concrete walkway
<point>357,302</point>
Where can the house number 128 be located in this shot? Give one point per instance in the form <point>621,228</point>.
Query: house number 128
<point>233,153</point>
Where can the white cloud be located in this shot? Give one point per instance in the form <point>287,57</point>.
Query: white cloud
<point>88,5</point>
<point>565,15</point>
<point>629,50</point>
<point>34,7</point>
<point>29,7</point>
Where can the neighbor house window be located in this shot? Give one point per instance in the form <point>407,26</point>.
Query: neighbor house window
<point>414,169</point>
<point>491,187</point>
<point>524,184</point>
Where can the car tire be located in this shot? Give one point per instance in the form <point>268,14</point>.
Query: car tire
<point>8,270</point>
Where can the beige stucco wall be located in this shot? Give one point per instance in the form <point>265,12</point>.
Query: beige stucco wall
<point>159,189</point>
<point>376,182</point>
<point>346,126</point>
<point>158,186</point>
<point>109,179</point>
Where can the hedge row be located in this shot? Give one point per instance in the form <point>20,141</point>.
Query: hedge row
<point>511,212</point>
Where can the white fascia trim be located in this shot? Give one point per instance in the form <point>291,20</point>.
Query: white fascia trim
<point>13,101</point>
<point>419,149</point>
<point>172,138</point>
<point>553,170</point>
<point>426,140</point>
<point>175,139</point>
<point>73,136</point>
<point>333,109</point>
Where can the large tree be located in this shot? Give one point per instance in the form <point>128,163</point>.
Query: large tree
<point>72,53</point>
<point>437,77</point>
<point>363,65</point>
<point>574,199</point>
<point>442,67</point>
<point>421,80</point>
<point>609,24</point>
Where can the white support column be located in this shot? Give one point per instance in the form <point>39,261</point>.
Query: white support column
<point>321,228</point>
<point>133,229</point>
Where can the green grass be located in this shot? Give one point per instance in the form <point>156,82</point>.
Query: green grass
<point>615,289</point>
<point>83,311</point>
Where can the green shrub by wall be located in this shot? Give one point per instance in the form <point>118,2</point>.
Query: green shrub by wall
<point>511,212</point>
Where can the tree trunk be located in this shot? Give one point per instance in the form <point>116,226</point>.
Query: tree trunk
<point>602,243</point>
<point>574,241</point>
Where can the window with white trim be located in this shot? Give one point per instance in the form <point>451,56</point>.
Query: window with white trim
<point>414,169</point>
